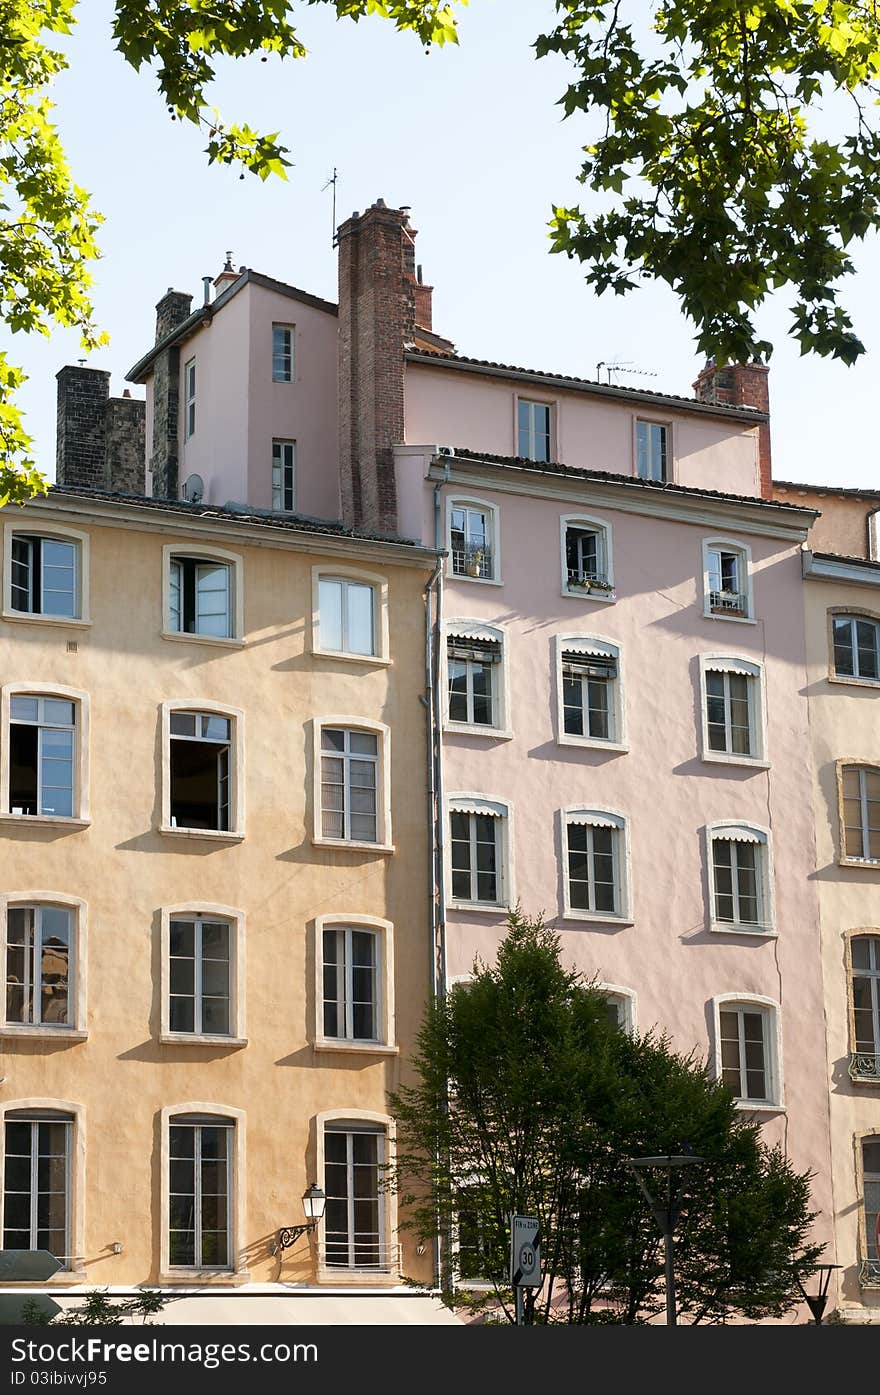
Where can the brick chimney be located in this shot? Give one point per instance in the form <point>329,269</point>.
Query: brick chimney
<point>377,318</point>
<point>100,439</point>
<point>742,385</point>
<point>423,296</point>
<point>171,311</point>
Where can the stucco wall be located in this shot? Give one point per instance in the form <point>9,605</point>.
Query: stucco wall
<point>842,527</point>
<point>126,871</point>
<point>661,784</point>
<point>843,720</point>
<point>456,408</point>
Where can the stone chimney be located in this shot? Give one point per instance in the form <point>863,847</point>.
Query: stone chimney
<point>171,311</point>
<point>100,439</point>
<point>742,385</point>
<point>376,320</point>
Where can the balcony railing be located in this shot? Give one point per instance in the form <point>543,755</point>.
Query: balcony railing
<point>474,559</point>
<point>589,581</point>
<point>869,1274</point>
<point>733,601</point>
<point>864,1065</point>
<point>366,1257</point>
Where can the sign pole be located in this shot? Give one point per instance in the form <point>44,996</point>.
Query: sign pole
<point>525,1260</point>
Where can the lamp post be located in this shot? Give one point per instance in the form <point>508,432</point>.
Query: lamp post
<point>816,1302</point>
<point>313,1202</point>
<point>666,1211</point>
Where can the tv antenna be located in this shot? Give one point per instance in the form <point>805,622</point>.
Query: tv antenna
<point>332,181</point>
<point>618,365</point>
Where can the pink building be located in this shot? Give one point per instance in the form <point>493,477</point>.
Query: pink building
<point>619,660</point>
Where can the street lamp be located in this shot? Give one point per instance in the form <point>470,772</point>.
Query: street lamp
<point>314,1202</point>
<point>816,1302</point>
<point>667,1211</point>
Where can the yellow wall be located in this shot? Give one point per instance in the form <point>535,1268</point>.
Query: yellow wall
<point>126,871</point>
<point>844,725</point>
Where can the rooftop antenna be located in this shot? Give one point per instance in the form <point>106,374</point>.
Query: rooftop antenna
<point>332,180</point>
<point>618,365</point>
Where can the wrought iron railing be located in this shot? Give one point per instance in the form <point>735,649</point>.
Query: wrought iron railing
<point>869,1274</point>
<point>864,1065</point>
<point>588,581</point>
<point>364,1257</point>
<point>734,601</point>
<point>474,559</point>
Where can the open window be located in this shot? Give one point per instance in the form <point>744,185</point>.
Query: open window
<point>203,786</point>
<point>727,580</point>
<point>742,894</point>
<point>45,754</point>
<point>748,1049</point>
<point>202,594</point>
<point>587,570</point>
<point>473,540</point>
<point>45,574</point>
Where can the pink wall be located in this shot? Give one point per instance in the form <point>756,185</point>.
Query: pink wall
<point>217,449</point>
<point>675,964</point>
<point>457,408</point>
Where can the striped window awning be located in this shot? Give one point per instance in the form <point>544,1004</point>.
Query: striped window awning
<point>735,834</point>
<point>593,819</point>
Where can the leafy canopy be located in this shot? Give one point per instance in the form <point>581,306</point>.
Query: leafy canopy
<point>528,1099</point>
<point>710,153</point>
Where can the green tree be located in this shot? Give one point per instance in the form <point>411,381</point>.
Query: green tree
<point>528,1099</point>
<point>48,227</point>
<point>96,1309</point>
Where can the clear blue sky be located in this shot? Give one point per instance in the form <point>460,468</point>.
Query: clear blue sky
<point>472,140</point>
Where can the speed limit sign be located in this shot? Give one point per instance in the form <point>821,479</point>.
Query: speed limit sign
<point>525,1252</point>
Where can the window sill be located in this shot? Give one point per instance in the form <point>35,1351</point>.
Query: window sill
<point>362,1277</point>
<point>477,729</point>
<point>729,615</point>
<point>60,1277</point>
<point>199,1039</point>
<point>759,932</point>
<point>756,1107</point>
<point>597,919</point>
<point>374,660</point>
<point>204,1277</point>
<point>216,835</point>
<point>592,743</point>
<point>364,1048</point>
<point>846,681</point>
<point>218,640</point>
<point>352,845</point>
<point>487,907</point>
<point>604,598</point>
<point>43,1032</point>
<point>872,863</point>
<point>741,762</point>
<point>45,821</point>
<point>474,580</point>
<point>20,617</point>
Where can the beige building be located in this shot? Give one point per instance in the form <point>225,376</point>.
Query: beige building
<point>843,654</point>
<point>214,864</point>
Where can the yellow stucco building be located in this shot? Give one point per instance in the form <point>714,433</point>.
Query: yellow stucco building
<point>842,597</point>
<point>214,864</point>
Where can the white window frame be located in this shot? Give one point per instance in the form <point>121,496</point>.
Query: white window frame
<point>285,464</point>
<point>189,398</point>
<point>869,1075</point>
<point>51,532</point>
<point>869,1277</point>
<point>76,1173</point>
<point>587,523</point>
<point>80,817</point>
<point>604,648</point>
<point>383,930</point>
<point>237,1216</point>
<point>387,1197</point>
<point>754,672</point>
<point>75,1029</point>
<point>846,859</point>
<point>628,999</point>
<point>385,842</point>
<point>770,1011</point>
<point>379,583</point>
<point>867,617</point>
<point>667,426</point>
<point>478,631</point>
<point>195,552</point>
<point>552,406</point>
<point>205,910</point>
<point>291,330</point>
<point>235,715</point>
<point>734,831</point>
<point>464,802</point>
<point>744,553</point>
<point>493,528</point>
<point>600,818</point>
